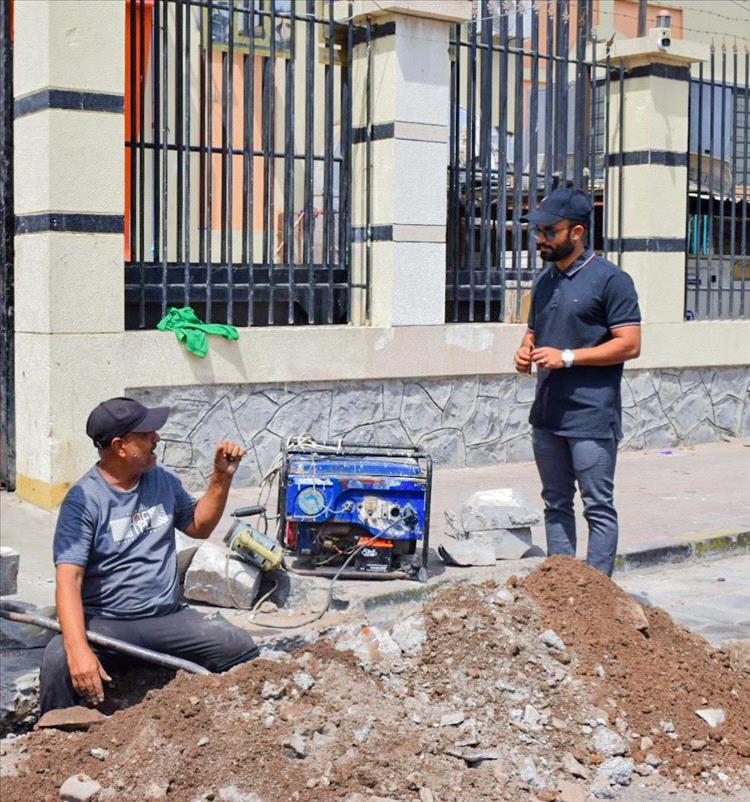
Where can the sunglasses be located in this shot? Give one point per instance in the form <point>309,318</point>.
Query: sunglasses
<point>549,232</point>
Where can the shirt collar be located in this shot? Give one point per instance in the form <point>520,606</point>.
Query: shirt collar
<point>582,261</point>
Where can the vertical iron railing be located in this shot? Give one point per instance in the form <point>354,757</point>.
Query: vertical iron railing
<point>7,361</point>
<point>529,112</point>
<point>238,162</point>
<point>717,282</point>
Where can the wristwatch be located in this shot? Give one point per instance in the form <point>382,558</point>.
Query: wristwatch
<point>568,357</point>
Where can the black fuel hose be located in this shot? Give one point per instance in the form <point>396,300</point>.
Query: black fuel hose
<point>148,655</point>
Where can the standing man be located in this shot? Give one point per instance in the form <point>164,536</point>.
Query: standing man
<point>116,561</point>
<point>584,323</point>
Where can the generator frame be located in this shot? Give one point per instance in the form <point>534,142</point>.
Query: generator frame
<point>423,459</point>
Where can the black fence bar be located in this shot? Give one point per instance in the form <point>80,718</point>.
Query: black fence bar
<point>527,115</point>
<point>717,284</point>
<point>230,177</point>
<point>7,277</point>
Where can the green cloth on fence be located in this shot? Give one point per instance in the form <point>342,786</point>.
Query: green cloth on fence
<point>191,331</point>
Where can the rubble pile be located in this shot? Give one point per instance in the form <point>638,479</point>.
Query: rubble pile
<point>487,693</point>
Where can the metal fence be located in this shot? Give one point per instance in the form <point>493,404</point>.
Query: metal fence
<point>7,224</point>
<point>238,162</point>
<point>718,264</point>
<point>530,110</point>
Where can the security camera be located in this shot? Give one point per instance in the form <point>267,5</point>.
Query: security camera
<point>663,30</point>
<point>663,41</point>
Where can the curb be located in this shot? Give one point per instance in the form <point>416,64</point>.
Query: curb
<point>713,545</point>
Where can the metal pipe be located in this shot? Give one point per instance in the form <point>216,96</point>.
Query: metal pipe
<point>148,655</point>
<point>642,17</point>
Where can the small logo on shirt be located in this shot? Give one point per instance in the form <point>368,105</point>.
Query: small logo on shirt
<point>127,529</point>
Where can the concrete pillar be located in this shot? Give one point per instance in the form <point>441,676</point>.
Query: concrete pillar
<point>68,162</point>
<point>648,149</point>
<point>409,99</point>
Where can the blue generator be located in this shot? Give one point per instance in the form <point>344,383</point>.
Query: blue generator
<point>356,511</point>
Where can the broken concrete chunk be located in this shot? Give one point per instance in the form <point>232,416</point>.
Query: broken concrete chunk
<point>186,548</point>
<point>451,719</point>
<point>617,770</point>
<point>410,634</point>
<point>467,733</point>
<point>304,680</point>
<point>71,718</point>
<point>79,788</point>
<point>713,716</point>
<point>474,756</point>
<point>218,577</point>
<point>630,612</point>
<point>230,793</point>
<point>477,549</point>
<point>297,744</point>
<point>511,544</point>
<point>9,560</point>
<point>502,508</point>
<point>369,644</point>
<point>570,792</point>
<point>608,743</point>
<point>550,638</point>
<point>528,772</point>
<point>573,767</point>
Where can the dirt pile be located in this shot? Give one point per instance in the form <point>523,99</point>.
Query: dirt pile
<point>638,661</point>
<point>473,698</point>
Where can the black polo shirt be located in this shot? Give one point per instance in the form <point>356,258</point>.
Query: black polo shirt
<point>579,308</point>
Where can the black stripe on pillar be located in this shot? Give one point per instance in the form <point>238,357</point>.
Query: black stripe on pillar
<point>71,222</point>
<point>378,233</point>
<point>667,158</point>
<point>68,99</point>
<point>658,70</point>
<point>378,32</point>
<point>647,244</point>
<point>379,131</point>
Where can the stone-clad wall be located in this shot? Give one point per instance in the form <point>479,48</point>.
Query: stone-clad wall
<point>461,421</point>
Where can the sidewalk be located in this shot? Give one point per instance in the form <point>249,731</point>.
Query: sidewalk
<point>664,499</point>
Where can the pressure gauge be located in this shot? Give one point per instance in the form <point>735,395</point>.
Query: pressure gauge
<point>311,501</point>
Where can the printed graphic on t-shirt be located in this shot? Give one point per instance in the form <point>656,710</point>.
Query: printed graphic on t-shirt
<point>127,529</point>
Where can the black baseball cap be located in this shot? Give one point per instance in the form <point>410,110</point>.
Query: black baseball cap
<point>564,203</point>
<point>118,416</point>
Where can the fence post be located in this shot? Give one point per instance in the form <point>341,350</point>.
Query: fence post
<point>646,207</point>
<point>400,141</point>
<point>68,108</point>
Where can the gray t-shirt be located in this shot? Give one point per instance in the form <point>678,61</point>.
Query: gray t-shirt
<point>125,540</point>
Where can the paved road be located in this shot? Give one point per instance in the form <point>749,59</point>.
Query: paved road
<point>711,597</point>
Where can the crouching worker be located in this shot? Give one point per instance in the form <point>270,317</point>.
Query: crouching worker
<point>116,563</point>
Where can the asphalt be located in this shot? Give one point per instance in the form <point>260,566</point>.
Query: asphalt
<point>674,505</point>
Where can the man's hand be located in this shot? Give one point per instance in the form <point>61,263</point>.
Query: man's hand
<point>522,359</point>
<point>227,458</point>
<point>87,673</point>
<point>548,358</point>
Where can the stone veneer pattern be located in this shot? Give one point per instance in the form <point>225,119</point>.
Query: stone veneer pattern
<point>479,420</point>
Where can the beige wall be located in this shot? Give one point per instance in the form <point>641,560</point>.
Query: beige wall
<point>81,370</point>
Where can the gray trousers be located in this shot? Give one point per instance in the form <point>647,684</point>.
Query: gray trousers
<point>209,641</point>
<point>563,461</point>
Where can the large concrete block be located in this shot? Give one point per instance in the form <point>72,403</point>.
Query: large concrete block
<point>216,576</point>
<point>186,548</point>
<point>9,560</point>
<point>501,508</point>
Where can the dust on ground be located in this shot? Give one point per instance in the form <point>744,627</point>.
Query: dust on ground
<point>488,693</point>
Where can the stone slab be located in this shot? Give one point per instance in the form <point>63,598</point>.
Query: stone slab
<point>9,562</point>
<point>216,576</point>
<point>499,508</point>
